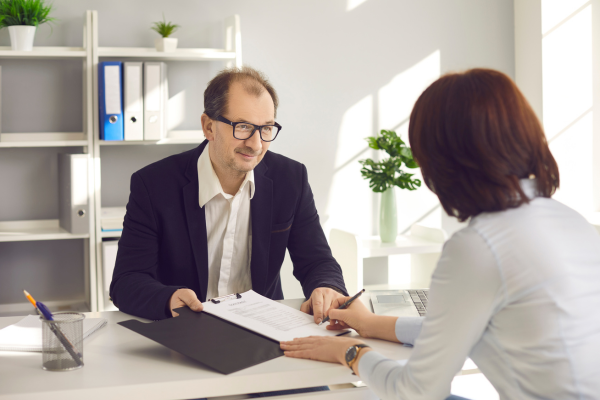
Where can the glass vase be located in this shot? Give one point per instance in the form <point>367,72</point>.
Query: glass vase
<point>388,217</point>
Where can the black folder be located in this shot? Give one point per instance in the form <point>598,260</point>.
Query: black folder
<point>214,342</point>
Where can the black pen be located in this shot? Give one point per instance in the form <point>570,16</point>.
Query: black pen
<point>345,305</point>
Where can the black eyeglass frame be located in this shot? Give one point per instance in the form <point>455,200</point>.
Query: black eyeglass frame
<point>256,127</point>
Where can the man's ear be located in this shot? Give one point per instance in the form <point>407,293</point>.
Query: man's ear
<point>208,127</point>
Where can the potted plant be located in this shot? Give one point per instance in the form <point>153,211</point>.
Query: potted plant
<point>165,29</point>
<point>22,17</point>
<point>385,175</point>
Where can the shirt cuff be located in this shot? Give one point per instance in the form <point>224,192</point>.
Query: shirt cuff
<point>408,329</point>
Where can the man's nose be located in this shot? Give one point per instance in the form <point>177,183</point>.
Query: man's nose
<point>254,141</point>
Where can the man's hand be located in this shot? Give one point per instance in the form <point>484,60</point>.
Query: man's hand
<point>320,302</point>
<point>182,298</point>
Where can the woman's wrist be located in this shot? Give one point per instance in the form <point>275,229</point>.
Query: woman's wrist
<point>362,352</point>
<point>369,328</point>
<point>380,327</point>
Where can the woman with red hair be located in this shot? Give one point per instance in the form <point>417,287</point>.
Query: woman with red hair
<point>517,290</point>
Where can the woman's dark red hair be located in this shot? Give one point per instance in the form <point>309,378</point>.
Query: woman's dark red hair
<point>475,136</point>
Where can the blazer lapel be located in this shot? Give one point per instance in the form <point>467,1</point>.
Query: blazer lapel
<point>261,210</point>
<point>196,221</point>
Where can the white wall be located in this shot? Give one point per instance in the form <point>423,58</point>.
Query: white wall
<point>555,64</point>
<point>343,70</point>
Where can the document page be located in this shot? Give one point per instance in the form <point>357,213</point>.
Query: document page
<point>267,317</point>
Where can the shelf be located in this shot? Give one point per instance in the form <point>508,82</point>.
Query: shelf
<point>48,139</point>
<point>150,53</point>
<point>110,234</point>
<point>173,137</point>
<point>45,229</point>
<point>44,52</point>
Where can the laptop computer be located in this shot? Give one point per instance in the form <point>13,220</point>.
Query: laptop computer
<point>400,303</point>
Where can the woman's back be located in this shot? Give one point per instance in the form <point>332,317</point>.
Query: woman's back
<point>543,340</point>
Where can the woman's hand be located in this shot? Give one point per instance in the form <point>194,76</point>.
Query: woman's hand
<point>363,321</point>
<point>319,348</point>
<point>357,317</point>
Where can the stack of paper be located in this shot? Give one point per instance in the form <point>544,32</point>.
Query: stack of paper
<point>268,318</point>
<point>26,335</point>
<point>112,218</point>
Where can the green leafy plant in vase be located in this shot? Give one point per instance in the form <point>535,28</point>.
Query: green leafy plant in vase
<point>22,18</point>
<point>386,174</point>
<point>165,29</point>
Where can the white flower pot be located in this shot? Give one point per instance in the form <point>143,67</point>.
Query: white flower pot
<point>166,45</point>
<point>21,37</point>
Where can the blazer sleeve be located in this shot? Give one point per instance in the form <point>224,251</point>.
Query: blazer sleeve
<point>135,288</point>
<point>314,265</point>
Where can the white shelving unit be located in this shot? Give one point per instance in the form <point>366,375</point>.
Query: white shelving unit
<point>44,229</point>
<point>231,53</point>
<point>45,52</point>
<point>88,142</point>
<point>50,139</point>
<point>423,244</point>
<point>36,230</point>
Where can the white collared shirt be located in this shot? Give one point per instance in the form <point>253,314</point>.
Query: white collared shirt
<point>228,229</point>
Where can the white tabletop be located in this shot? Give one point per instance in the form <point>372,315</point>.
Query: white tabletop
<point>372,246</point>
<point>121,363</point>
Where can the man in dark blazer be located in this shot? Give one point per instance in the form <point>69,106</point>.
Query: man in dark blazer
<point>183,243</point>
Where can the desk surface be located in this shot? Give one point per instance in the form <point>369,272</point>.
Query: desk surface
<point>120,363</point>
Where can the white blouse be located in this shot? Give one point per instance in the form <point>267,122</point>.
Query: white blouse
<point>518,291</point>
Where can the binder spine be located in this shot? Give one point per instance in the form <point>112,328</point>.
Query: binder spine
<point>155,100</point>
<point>72,197</point>
<point>110,92</point>
<point>133,83</point>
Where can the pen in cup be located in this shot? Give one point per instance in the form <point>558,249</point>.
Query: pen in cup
<point>345,305</point>
<point>45,313</point>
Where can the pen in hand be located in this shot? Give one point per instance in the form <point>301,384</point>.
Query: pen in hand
<point>345,305</point>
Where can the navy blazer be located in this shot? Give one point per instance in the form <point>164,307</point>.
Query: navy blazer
<point>164,243</point>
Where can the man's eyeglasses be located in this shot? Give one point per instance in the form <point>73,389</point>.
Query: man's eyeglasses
<point>245,130</point>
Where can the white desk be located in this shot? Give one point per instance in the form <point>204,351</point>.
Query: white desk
<point>119,363</point>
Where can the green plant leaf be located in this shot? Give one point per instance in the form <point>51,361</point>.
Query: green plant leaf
<point>388,172</point>
<point>164,28</point>
<point>24,12</point>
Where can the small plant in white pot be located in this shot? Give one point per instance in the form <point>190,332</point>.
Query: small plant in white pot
<point>22,17</point>
<point>165,29</point>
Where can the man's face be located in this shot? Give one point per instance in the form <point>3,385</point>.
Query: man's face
<point>240,156</point>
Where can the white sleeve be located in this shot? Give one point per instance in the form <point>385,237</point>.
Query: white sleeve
<point>466,290</point>
<point>408,329</point>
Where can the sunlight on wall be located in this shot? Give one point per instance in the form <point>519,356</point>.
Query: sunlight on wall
<point>567,71</point>
<point>176,110</point>
<point>350,200</point>
<point>573,153</point>
<point>352,4</point>
<point>555,11</point>
<point>396,100</point>
<point>568,97</point>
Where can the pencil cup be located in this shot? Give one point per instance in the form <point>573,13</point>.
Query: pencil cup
<point>62,342</point>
